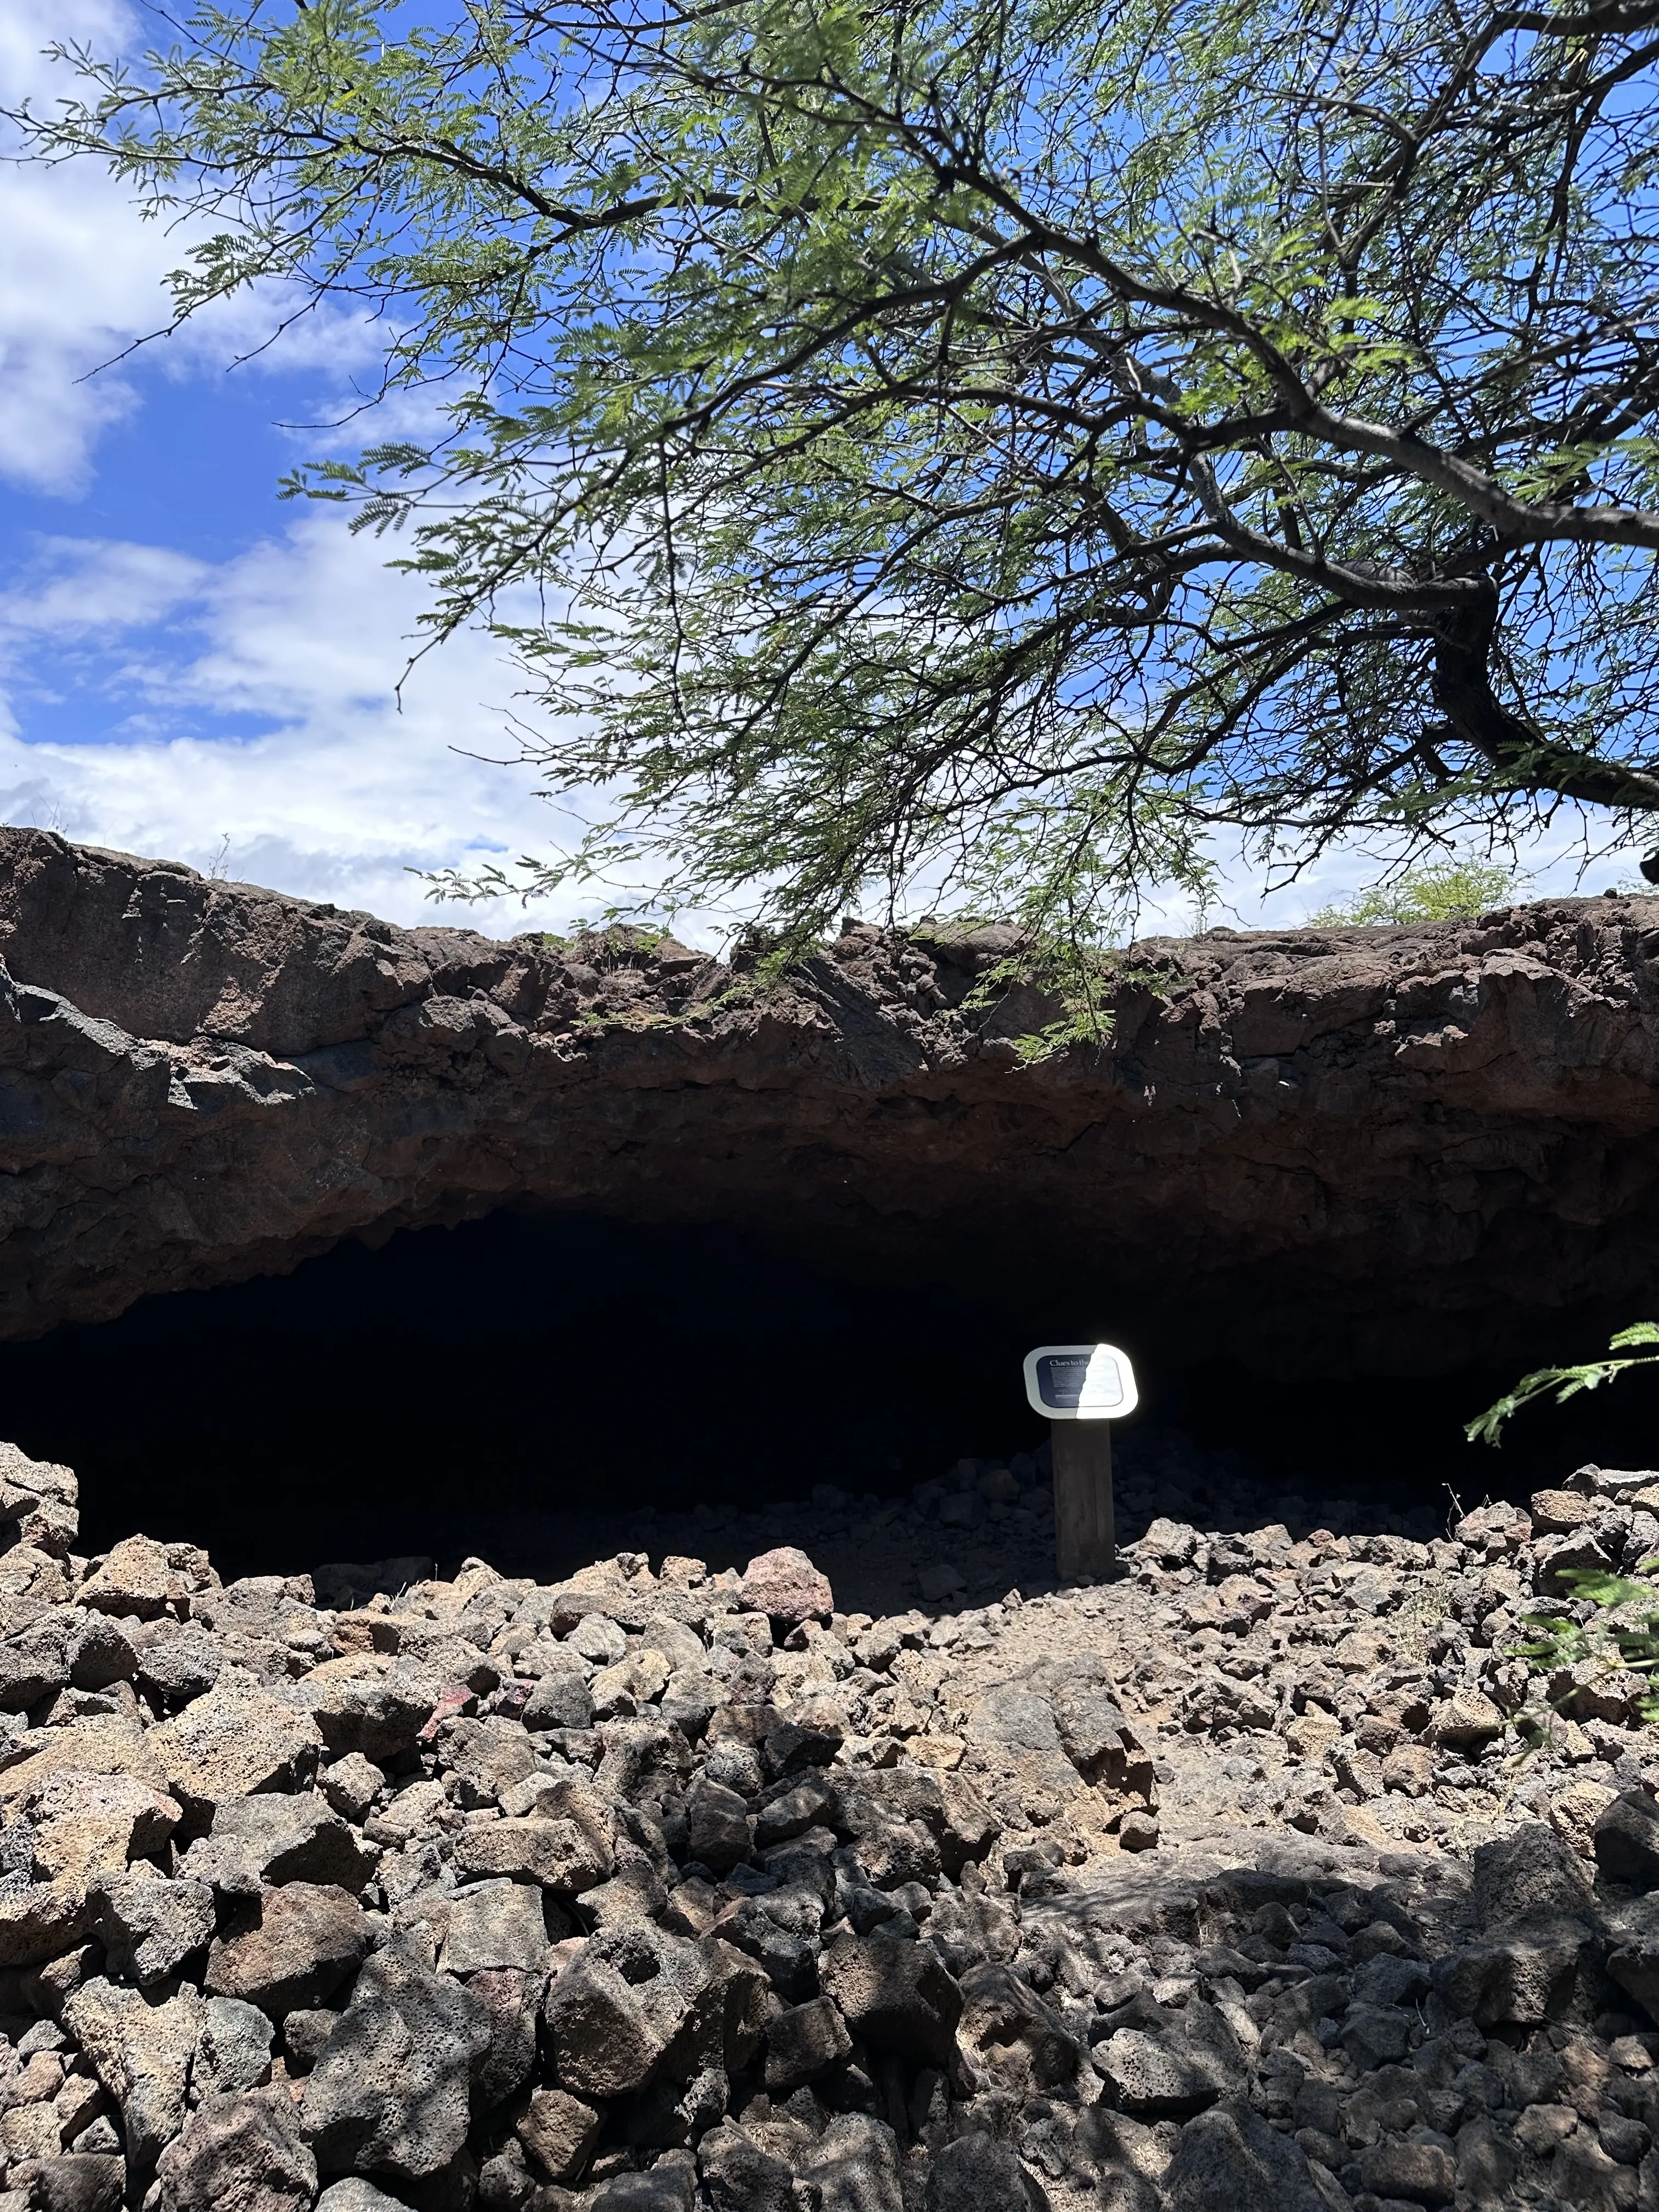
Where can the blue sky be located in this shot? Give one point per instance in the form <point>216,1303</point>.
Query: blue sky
<point>191,669</point>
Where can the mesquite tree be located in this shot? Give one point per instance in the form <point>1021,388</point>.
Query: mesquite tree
<point>980,450</point>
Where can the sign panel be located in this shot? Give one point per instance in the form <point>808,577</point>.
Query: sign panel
<point>1080,1383</point>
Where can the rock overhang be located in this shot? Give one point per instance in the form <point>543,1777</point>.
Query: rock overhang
<point>1379,1149</point>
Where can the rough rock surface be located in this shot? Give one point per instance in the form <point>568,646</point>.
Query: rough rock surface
<point>1348,1148</point>
<point>1264,1878</point>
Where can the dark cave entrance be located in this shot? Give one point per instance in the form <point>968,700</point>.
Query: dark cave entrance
<point>496,1387</point>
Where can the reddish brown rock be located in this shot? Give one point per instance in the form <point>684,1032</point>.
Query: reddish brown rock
<point>785,1585</point>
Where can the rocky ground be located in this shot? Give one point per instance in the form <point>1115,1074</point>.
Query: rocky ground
<point>1261,1879</point>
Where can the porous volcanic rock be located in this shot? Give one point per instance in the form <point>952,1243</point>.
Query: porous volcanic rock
<point>1360,1148</point>
<point>1100,1898</point>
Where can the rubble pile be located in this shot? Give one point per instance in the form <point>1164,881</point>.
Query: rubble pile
<point>1262,1879</point>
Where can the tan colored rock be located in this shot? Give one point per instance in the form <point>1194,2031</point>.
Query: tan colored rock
<point>1311,1735</point>
<point>91,1825</point>
<point>102,1744</point>
<point>554,1853</point>
<point>559,2132</point>
<point>39,1503</point>
<point>141,1579</point>
<point>1558,1512</point>
<point>40,1920</point>
<point>1574,1812</point>
<point>309,1937</point>
<point>1408,1769</point>
<point>234,1740</point>
<point>142,2053</point>
<point>1466,1719</point>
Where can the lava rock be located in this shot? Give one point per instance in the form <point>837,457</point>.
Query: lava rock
<point>238,2155</point>
<point>391,2090</point>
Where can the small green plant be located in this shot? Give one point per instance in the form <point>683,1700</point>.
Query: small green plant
<point>1622,1634</point>
<point>1445,890</point>
<point>1564,1382</point>
<point>1612,1644</point>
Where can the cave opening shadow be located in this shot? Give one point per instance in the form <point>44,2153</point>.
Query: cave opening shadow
<point>462,1387</point>
<point>514,1386</point>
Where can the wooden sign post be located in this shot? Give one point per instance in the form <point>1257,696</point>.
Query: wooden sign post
<point>1081,1389</point>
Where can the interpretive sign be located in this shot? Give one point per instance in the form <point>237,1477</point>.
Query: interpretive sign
<point>1079,1383</point>
<point>1079,1389</point>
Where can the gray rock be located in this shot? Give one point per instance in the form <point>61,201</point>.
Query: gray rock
<point>304,2034</point>
<point>306,1940</point>
<point>558,2132</point>
<point>390,2092</point>
<point>1374,2035</point>
<point>142,2053</point>
<point>1390,1981</point>
<point>496,1924</point>
<point>1423,2172</point>
<point>267,1840</point>
<point>739,2175</point>
<point>803,2043</point>
<point>512,1999</point>
<point>719,1832</point>
<point>1015,1719</point>
<point>504,2181</point>
<point>370,1702</point>
<point>350,1786</point>
<point>1530,1875</point>
<point>238,2155</point>
<point>670,2185</point>
<point>976,2174</point>
<point>100,1652</point>
<point>176,1663</point>
<point>233,2055</point>
<point>1230,2161</point>
<point>34,1664</point>
<point>1486,2162</point>
<point>352,2193</point>
<point>898,1996</point>
<point>150,1926</point>
<point>854,2166</point>
<point>78,2181</point>
<point>559,1701</point>
<point>608,2036</point>
<point>1633,1951</point>
<point>1189,2062</point>
<point>1520,1978</point>
<point>1627,1840</point>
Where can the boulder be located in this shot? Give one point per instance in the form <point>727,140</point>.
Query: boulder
<point>898,1996</point>
<point>238,2155</point>
<point>496,1924</point>
<point>233,1741</point>
<point>1231,2161</point>
<point>558,2132</point>
<point>369,1702</point>
<point>1626,1840</point>
<point>305,1940</point>
<point>784,1585</point>
<point>390,2090</point>
<point>142,2052</point>
<point>976,2174</point>
<point>263,1841</point>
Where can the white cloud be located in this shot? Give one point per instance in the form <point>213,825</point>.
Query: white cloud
<point>309,631</point>
<point>82,277</point>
